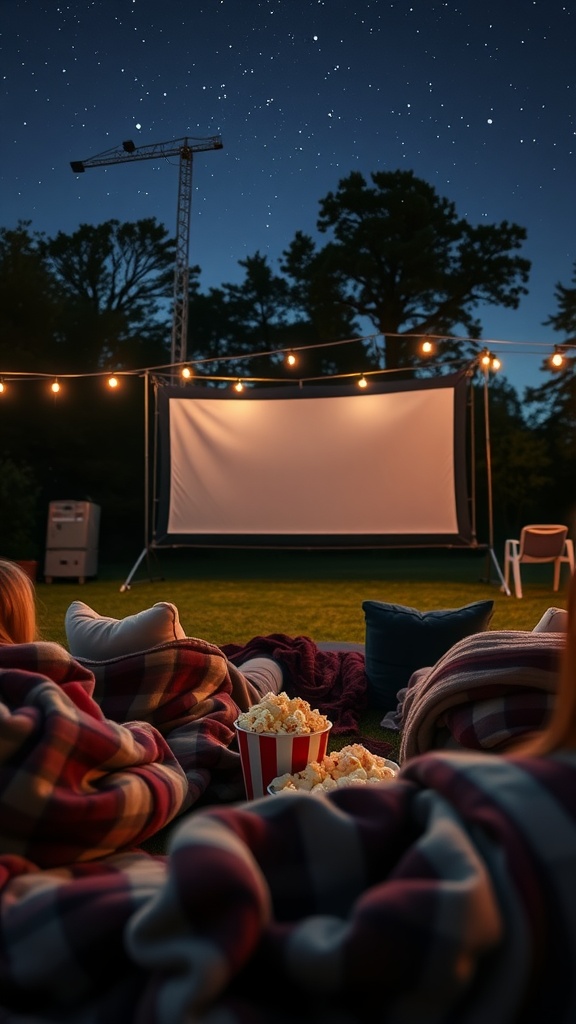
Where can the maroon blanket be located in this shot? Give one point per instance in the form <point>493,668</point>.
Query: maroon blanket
<point>332,681</point>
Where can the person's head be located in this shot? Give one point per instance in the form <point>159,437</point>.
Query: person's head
<point>17,605</point>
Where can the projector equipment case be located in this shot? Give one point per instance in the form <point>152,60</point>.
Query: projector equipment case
<point>72,540</point>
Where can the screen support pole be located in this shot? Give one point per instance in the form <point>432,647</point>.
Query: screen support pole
<point>492,555</point>
<point>145,553</point>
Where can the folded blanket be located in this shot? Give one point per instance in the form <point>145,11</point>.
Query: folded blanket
<point>332,681</point>
<point>485,692</point>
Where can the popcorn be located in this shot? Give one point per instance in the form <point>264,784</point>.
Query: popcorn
<point>279,713</point>
<point>352,765</point>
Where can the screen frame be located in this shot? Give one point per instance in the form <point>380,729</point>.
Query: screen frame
<point>462,537</point>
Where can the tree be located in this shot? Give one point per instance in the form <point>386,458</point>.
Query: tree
<point>237,326</point>
<point>31,304</point>
<point>553,405</point>
<point>117,279</point>
<point>565,318</point>
<point>401,258</point>
<point>19,508</point>
<point>557,395</point>
<point>522,468</point>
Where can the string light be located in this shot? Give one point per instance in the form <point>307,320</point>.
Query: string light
<point>427,345</point>
<point>557,359</point>
<point>489,361</point>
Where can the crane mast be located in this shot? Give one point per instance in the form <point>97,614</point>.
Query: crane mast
<point>184,149</point>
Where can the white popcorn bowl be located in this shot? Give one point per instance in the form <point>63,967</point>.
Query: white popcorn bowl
<point>266,755</point>
<point>273,791</point>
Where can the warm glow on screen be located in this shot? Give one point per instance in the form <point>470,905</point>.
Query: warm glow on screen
<point>355,464</point>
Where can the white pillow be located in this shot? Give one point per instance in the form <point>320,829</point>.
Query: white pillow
<point>554,620</point>
<point>98,638</point>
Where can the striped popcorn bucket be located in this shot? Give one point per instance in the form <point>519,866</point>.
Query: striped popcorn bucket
<point>264,755</point>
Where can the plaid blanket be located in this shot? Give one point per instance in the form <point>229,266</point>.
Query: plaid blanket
<point>189,691</point>
<point>74,785</point>
<point>447,895</point>
<point>438,897</point>
<point>488,689</point>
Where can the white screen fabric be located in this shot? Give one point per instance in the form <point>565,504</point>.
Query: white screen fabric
<point>332,465</point>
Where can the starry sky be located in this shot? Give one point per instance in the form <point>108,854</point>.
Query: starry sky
<point>478,99</point>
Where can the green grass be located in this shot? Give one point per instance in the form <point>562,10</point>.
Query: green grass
<point>231,596</point>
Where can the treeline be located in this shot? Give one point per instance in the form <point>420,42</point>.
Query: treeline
<point>397,263</point>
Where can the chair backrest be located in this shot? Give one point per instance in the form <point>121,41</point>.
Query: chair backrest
<point>544,542</point>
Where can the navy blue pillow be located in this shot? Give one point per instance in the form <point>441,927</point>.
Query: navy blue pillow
<point>400,640</point>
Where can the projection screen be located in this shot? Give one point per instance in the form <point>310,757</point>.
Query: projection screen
<point>314,466</point>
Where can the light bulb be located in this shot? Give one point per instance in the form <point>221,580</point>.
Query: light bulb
<point>426,347</point>
<point>362,383</point>
<point>291,359</point>
<point>55,387</point>
<point>557,359</point>
<point>113,382</point>
<point>239,386</point>
<point>2,387</point>
<point>186,372</point>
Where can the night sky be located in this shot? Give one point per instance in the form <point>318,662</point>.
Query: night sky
<point>476,98</point>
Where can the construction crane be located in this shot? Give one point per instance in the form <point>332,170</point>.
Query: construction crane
<point>184,148</point>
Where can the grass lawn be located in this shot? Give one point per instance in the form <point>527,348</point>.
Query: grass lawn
<point>230,596</point>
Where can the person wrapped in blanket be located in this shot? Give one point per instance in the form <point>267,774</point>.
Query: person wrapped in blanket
<point>18,626</point>
<point>445,895</point>
<point>17,605</point>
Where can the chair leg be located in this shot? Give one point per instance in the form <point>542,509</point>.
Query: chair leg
<point>570,553</point>
<point>506,586</point>
<point>568,557</point>
<point>517,580</point>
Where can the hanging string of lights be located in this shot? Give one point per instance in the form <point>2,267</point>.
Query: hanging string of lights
<point>428,347</point>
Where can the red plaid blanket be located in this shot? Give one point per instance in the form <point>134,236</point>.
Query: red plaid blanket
<point>74,785</point>
<point>191,693</point>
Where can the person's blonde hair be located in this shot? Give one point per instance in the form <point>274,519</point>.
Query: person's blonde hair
<point>17,605</point>
<point>560,731</point>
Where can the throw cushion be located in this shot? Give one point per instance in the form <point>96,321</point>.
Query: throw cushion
<point>98,638</point>
<point>400,640</point>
